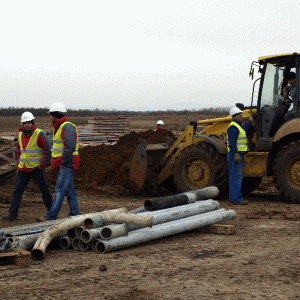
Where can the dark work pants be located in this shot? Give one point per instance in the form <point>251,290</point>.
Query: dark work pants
<point>21,183</point>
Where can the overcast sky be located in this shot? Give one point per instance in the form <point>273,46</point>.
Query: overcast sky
<point>138,55</point>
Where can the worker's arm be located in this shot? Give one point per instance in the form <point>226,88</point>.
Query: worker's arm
<point>69,137</point>
<point>44,143</point>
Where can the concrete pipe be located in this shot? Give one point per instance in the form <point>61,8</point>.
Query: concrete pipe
<point>75,244</point>
<point>26,242</point>
<point>209,192</point>
<point>127,218</point>
<point>94,242</point>
<point>84,246</point>
<point>88,235</point>
<point>162,216</point>
<point>65,243</point>
<point>180,199</point>
<point>55,230</point>
<point>163,230</point>
<point>78,231</point>
<point>112,231</point>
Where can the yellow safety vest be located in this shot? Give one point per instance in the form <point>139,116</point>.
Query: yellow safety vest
<point>58,143</point>
<point>241,142</point>
<point>31,157</point>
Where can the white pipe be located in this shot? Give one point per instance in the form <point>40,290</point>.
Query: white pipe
<point>65,243</point>
<point>127,218</point>
<point>84,246</point>
<point>163,230</point>
<point>45,238</point>
<point>75,244</point>
<point>159,217</point>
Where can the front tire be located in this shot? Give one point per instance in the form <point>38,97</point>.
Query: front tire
<point>287,172</point>
<point>200,165</point>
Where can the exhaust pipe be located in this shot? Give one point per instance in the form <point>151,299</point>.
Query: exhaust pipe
<point>164,230</point>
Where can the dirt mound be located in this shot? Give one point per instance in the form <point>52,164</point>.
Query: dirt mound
<point>105,164</point>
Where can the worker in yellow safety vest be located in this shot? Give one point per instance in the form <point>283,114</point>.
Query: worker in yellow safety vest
<point>64,161</point>
<point>237,147</point>
<point>34,153</point>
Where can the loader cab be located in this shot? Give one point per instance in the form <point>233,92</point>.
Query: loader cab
<point>271,105</point>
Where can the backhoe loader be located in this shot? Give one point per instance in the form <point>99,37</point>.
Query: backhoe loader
<point>198,158</point>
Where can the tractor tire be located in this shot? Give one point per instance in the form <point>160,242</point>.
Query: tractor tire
<point>249,184</point>
<point>286,172</point>
<point>200,165</point>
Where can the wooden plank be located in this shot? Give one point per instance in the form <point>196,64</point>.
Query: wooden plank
<point>7,168</point>
<point>6,158</point>
<point>14,259</point>
<point>220,229</point>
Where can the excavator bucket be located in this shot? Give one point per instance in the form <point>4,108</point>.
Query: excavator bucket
<point>145,166</point>
<point>138,167</point>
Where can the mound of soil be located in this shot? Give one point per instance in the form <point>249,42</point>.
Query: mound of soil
<point>106,164</point>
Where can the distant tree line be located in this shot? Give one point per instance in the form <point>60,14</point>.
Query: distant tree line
<point>41,112</point>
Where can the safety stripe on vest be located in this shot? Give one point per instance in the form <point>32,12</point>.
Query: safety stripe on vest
<point>30,159</point>
<point>31,151</point>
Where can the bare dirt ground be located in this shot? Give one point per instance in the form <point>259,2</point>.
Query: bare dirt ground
<point>260,261</point>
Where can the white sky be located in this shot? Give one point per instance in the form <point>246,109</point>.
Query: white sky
<point>138,55</point>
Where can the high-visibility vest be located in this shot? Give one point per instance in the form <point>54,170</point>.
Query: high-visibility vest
<point>31,157</point>
<point>58,143</point>
<point>241,142</point>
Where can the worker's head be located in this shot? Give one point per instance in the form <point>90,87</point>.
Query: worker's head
<point>292,78</point>
<point>57,110</point>
<point>27,120</point>
<point>160,123</point>
<point>235,113</point>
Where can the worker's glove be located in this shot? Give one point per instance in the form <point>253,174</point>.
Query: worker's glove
<point>237,158</point>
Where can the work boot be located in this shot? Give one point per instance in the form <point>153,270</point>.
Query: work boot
<point>243,202</point>
<point>42,219</point>
<point>8,218</point>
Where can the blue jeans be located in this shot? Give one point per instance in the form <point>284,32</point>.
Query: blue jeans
<point>64,187</point>
<point>21,183</point>
<point>235,178</point>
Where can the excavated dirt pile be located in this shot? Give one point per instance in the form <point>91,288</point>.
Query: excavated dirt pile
<point>106,164</point>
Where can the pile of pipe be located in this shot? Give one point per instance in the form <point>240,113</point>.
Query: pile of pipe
<point>115,229</point>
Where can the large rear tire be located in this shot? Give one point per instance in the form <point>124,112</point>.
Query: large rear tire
<point>287,172</point>
<point>200,165</point>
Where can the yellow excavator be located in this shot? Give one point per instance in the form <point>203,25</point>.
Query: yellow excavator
<point>198,158</point>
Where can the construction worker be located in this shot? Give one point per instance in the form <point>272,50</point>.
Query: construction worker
<point>160,126</point>
<point>289,93</point>
<point>64,161</point>
<point>237,147</point>
<point>34,153</point>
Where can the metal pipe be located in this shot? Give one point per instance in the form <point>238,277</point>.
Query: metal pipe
<point>30,228</point>
<point>65,243</point>
<point>84,246</point>
<point>180,199</point>
<point>45,238</point>
<point>159,217</point>
<point>163,230</point>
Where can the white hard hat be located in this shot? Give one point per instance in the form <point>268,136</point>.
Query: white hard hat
<point>234,111</point>
<point>160,123</point>
<point>57,106</point>
<point>26,117</point>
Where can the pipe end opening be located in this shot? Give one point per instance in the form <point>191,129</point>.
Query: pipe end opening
<point>88,223</point>
<point>37,254</point>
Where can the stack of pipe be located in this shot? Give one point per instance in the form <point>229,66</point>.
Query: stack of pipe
<point>171,215</point>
